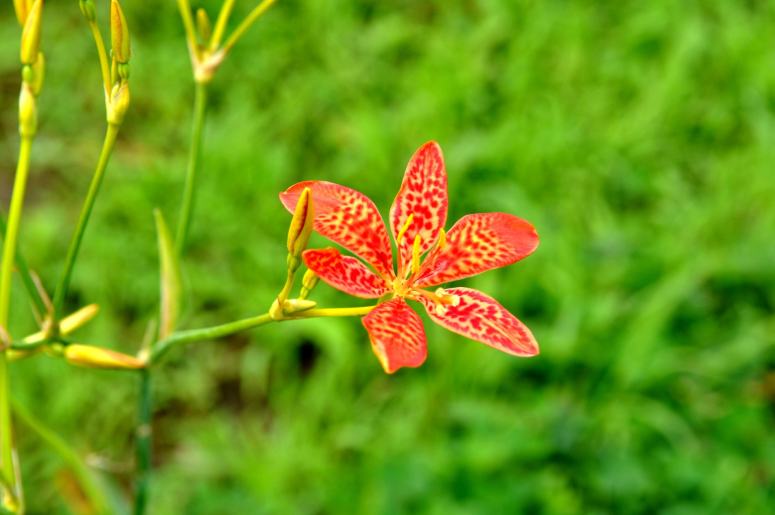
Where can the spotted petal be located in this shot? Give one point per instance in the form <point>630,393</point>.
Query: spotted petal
<point>423,195</point>
<point>345,273</point>
<point>349,218</point>
<point>483,319</point>
<point>397,335</point>
<point>477,243</point>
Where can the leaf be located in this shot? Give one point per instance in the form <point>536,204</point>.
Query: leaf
<point>169,269</point>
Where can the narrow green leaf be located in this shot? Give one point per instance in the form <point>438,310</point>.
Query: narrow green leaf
<point>170,278</point>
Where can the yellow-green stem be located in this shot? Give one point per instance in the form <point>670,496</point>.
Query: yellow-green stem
<point>6,268</point>
<point>103,55</point>
<point>195,153</point>
<point>246,23</point>
<point>88,482</point>
<point>75,243</point>
<point>220,24</point>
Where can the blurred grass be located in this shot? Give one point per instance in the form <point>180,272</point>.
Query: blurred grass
<point>638,137</point>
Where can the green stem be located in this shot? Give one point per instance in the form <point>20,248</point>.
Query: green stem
<point>143,442</point>
<point>6,268</point>
<point>85,476</point>
<point>75,243</point>
<point>246,23</point>
<point>26,275</point>
<point>195,152</point>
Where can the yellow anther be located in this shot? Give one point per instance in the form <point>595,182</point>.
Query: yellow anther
<point>404,229</point>
<point>416,255</point>
<point>442,239</point>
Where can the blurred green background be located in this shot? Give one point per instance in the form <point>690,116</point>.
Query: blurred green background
<point>639,138</point>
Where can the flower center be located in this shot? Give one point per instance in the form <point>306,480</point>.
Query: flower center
<point>441,299</point>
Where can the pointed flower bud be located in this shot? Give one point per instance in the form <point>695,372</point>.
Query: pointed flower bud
<point>22,8</point>
<point>308,283</point>
<point>203,25</point>
<point>119,33</point>
<point>301,224</point>
<point>88,10</point>
<point>291,306</point>
<point>28,112</point>
<point>97,357</point>
<point>31,34</point>
<point>34,74</point>
<point>119,103</point>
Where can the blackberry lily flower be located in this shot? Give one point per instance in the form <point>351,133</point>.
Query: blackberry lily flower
<point>475,244</point>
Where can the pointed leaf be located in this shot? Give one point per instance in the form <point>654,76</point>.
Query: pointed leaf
<point>170,288</point>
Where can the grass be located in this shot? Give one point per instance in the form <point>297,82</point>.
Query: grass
<point>637,137</point>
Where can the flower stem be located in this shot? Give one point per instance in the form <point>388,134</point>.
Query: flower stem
<point>143,442</point>
<point>9,253</point>
<point>88,482</point>
<point>246,23</point>
<point>195,152</point>
<point>75,243</point>
<point>26,275</point>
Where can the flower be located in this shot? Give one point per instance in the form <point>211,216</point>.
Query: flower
<point>475,244</point>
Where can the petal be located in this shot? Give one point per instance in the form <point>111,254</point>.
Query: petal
<point>397,335</point>
<point>349,218</point>
<point>345,273</point>
<point>477,243</point>
<point>423,195</point>
<point>483,319</point>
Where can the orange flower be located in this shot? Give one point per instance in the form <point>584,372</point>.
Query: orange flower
<point>427,257</point>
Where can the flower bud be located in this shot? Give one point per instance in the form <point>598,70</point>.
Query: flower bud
<point>119,33</point>
<point>31,34</point>
<point>88,10</point>
<point>28,112</point>
<point>203,25</point>
<point>34,74</point>
<point>291,306</point>
<point>97,357</point>
<point>301,224</point>
<point>308,282</point>
<point>22,8</point>
<point>119,103</point>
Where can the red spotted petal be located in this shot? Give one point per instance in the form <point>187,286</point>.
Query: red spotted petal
<point>423,194</point>
<point>348,218</point>
<point>397,335</point>
<point>483,319</point>
<point>477,243</point>
<point>345,273</point>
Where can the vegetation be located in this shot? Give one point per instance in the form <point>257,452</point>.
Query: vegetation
<point>639,138</point>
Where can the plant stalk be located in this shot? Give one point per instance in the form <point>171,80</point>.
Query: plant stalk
<point>143,433</point>
<point>195,154</point>
<point>6,268</point>
<point>75,243</point>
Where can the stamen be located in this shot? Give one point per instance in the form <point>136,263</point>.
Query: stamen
<point>416,255</point>
<point>442,239</point>
<point>405,228</point>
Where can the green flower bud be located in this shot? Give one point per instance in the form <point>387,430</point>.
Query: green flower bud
<point>28,112</point>
<point>88,10</point>
<point>119,33</point>
<point>301,224</point>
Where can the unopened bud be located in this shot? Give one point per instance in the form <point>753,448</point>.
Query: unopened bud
<point>33,74</point>
<point>22,8</point>
<point>301,224</point>
<point>119,33</point>
<point>31,34</point>
<point>78,319</point>
<point>97,357</point>
<point>119,103</point>
<point>308,282</point>
<point>88,10</point>
<point>28,112</point>
<point>292,306</point>
<point>203,25</point>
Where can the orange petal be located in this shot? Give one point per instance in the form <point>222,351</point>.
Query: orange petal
<point>477,243</point>
<point>483,319</point>
<point>397,335</point>
<point>423,195</point>
<point>345,273</point>
<point>349,218</point>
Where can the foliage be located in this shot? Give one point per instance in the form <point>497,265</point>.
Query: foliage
<point>637,137</point>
